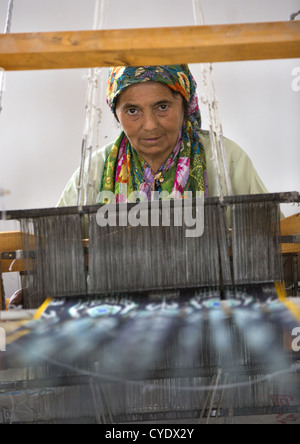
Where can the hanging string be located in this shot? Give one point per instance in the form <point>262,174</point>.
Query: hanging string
<point>2,89</point>
<point>101,24</point>
<point>93,117</point>
<point>294,15</point>
<point>6,31</point>
<point>9,17</point>
<point>3,193</point>
<point>215,126</point>
<point>91,113</point>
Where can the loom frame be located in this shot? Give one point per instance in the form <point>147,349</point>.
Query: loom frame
<point>256,41</point>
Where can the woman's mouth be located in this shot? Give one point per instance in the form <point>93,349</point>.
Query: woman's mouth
<point>151,140</point>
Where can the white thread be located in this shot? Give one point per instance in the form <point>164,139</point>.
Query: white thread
<point>9,17</point>
<point>6,31</point>
<point>93,117</point>
<point>12,264</point>
<point>215,125</point>
<point>214,390</point>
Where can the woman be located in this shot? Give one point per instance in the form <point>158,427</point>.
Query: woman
<point>162,146</point>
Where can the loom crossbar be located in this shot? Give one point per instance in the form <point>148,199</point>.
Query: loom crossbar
<point>150,46</point>
<point>282,197</point>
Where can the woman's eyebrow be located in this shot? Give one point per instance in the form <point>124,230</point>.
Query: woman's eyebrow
<point>163,101</point>
<point>129,105</point>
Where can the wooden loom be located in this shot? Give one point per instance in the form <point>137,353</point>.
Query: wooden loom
<point>192,44</point>
<point>154,46</point>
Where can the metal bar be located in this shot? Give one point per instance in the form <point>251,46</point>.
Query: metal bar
<point>293,239</point>
<point>282,197</point>
<point>296,277</point>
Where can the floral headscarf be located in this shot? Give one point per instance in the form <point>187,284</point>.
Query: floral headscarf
<point>185,168</point>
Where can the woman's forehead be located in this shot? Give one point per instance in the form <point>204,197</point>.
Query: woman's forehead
<point>150,90</point>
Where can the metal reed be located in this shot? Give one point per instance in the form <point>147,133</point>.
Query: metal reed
<point>256,243</point>
<point>58,266</point>
<point>149,258</point>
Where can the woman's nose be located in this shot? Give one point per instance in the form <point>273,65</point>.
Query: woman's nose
<point>149,121</point>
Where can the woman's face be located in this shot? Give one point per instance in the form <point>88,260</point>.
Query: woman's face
<point>151,116</point>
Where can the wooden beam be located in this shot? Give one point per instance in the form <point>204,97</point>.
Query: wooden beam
<point>150,46</point>
<point>11,241</point>
<point>290,225</point>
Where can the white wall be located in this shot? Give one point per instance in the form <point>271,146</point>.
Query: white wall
<point>43,111</point>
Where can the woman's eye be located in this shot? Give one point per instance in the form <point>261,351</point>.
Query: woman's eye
<point>163,107</point>
<point>131,111</point>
